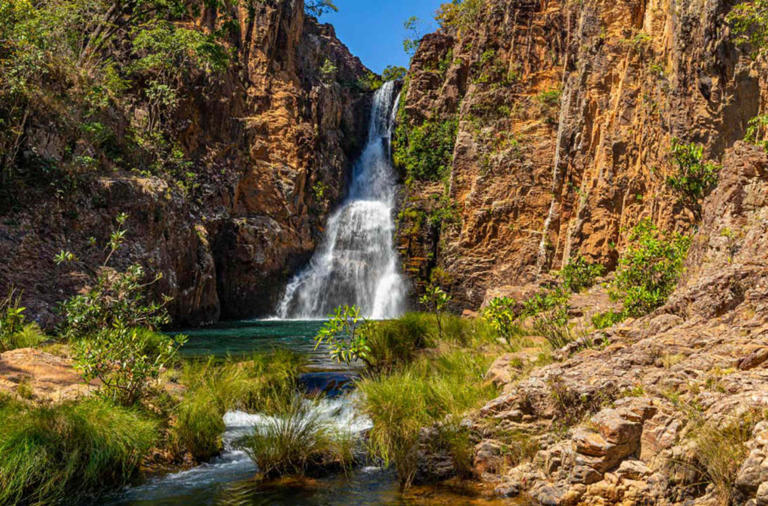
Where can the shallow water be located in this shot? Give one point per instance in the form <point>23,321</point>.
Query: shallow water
<point>229,478</point>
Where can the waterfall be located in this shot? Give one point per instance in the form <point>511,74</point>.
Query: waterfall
<point>356,262</point>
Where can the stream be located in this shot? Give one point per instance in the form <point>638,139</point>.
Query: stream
<point>229,479</point>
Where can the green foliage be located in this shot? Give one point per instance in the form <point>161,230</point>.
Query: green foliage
<point>550,98</point>
<point>15,332</point>
<point>755,128</point>
<point>115,300</point>
<point>607,319</point>
<point>425,151</point>
<point>328,71</point>
<point>579,274</point>
<point>394,343</point>
<point>503,315</point>
<point>259,384</point>
<point>548,313</point>
<point>393,73</point>
<point>411,43</point>
<point>427,391</point>
<point>69,452</point>
<point>649,268</point>
<point>319,7</point>
<point>346,336</point>
<point>297,441</point>
<point>369,82</point>
<point>693,177</point>
<point>111,326</point>
<point>436,301</point>
<point>459,14</point>
<point>125,360</point>
<point>749,25</point>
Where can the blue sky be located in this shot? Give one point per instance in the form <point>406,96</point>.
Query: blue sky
<point>373,29</point>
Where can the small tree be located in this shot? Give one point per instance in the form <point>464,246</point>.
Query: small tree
<point>579,274</point>
<point>393,73</point>
<point>319,7</point>
<point>435,300</point>
<point>649,268</point>
<point>501,313</point>
<point>345,333</point>
<point>412,41</point>
<point>694,178</point>
<point>112,326</point>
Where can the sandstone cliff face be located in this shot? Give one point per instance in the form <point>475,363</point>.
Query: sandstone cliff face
<point>642,402</point>
<point>269,144</point>
<point>566,116</point>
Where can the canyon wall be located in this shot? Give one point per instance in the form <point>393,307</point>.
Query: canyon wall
<point>266,149</point>
<point>566,115</point>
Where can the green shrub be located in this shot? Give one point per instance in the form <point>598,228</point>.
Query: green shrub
<point>393,73</point>
<point>749,25</point>
<point>125,360</point>
<point>649,268</point>
<point>296,441</point>
<point>755,127</point>
<point>548,315</point>
<point>425,151</point>
<point>435,300</point>
<point>579,274</point>
<point>607,319</point>
<point>420,394</point>
<point>693,177</point>
<point>70,451</point>
<point>503,315</point>
<point>459,14</point>
<point>15,332</point>
<point>346,335</point>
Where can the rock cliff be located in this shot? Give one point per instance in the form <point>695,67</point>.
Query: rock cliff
<point>263,149</point>
<point>566,115</point>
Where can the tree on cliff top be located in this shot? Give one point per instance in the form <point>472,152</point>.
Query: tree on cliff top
<point>319,7</point>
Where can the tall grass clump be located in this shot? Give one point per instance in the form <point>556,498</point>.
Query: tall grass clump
<point>296,441</point>
<point>215,388</point>
<point>425,392</point>
<point>15,331</point>
<point>69,452</point>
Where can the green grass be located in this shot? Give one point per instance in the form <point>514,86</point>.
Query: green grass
<point>426,391</point>
<point>69,452</point>
<point>297,442</point>
<point>215,388</point>
<point>29,336</point>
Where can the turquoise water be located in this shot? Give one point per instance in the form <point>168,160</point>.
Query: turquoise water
<point>229,478</point>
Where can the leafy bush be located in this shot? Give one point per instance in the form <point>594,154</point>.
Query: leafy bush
<point>435,300</point>
<point>345,333</point>
<point>754,128</point>
<point>296,441</point>
<point>579,274</point>
<point>503,315</point>
<point>459,14</point>
<point>424,392</point>
<point>425,151</point>
<point>125,360</point>
<point>112,327</point>
<point>649,268</point>
<point>369,82</point>
<point>607,319</point>
<point>548,315</point>
<point>15,332</point>
<point>393,73</point>
<point>693,177</point>
<point>71,451</point>
<point>749,25</point>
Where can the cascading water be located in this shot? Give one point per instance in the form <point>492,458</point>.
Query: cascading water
<point>356,263</point>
